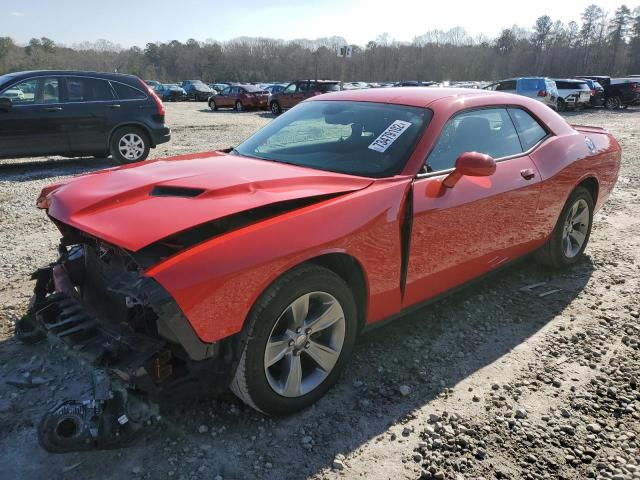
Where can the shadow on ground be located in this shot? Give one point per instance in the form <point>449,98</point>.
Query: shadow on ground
<point>431,350</point>
<point>22,171</point>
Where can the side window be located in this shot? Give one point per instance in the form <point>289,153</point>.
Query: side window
<point>125,92</point>
<point>88,90</point>
<point>489,131</point>
<point>23,93</point>
<point>529,129</point>
<point>507,85</point>
<point>226,91</point>
<point>303,87</point>
<point>50,91</point>
<point>291,88</point>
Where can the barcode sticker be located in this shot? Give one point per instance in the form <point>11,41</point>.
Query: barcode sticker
<point>390,135</point>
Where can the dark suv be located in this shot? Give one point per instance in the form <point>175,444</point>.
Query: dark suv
<point>73,113</point>
<point>298,91</point>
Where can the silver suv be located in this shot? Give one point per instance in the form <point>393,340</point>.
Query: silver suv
<point>539,88</point>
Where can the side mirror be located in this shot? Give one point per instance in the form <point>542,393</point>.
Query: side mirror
<point>5,104</point>
<point>471,164</point>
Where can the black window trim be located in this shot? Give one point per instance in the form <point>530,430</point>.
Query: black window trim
<point>549,134</point>
<point>62,80</point>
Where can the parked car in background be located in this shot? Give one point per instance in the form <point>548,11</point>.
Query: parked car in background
<point>171,92</point>
<point>74,113</point>
<point>409,83</point>
<point>540,88</point>
<point>240,97</point>
<point>298,91</point>
<point>218,87</point>
<point>153,83</point>
<point>572,93</point>
<point>197,90</point>
<point>597,93</point>
<point>256,268</point>
<point>275,88</point>
<point>618,92</point>
<point>354,85</point>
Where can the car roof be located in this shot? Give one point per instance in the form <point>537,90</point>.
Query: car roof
<point>571,80</point>
<point>80,73</point>
<point>415,96</point>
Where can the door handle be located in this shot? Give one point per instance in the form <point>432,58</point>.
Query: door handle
<point>53,109</point>
<point>114,106</point>
<point>527,173</point>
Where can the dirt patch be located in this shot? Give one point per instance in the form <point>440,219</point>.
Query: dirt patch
<point>492,382</point>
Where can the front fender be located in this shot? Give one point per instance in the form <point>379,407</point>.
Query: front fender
<point>216,282</point>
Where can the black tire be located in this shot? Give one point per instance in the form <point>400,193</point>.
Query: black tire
<point>119,135</point>
<point>562,105</point>
<point>238,106</point>
<point>275,108</point>
<point>553,253</point>
<point>250,382</point>
<point>212,105</point>
<point>612,103</point>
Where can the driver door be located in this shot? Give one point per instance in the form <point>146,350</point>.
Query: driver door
<point>36,123</point>
<point>479,224</point>
<point>286,97</point>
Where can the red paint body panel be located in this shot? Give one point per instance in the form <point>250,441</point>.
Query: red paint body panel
<point>217,282</point>
<point>116,204</point>
<point>457,233</point>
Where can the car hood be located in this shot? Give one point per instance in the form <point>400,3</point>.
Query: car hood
<point>136,205</point>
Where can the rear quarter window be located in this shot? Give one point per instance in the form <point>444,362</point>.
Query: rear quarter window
<point>125,92</point>
<point>530,131</point>
<point>529,84</point>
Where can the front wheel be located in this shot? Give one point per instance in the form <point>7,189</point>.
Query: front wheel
<point>562,105</point>
<point>129,144</point>
<point>239,106</point>
<point>571,233</point>
<point>212,105</point>
<point>300,335</point>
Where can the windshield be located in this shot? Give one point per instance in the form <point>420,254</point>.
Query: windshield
<point>328,87</point>
<point>358,138</point>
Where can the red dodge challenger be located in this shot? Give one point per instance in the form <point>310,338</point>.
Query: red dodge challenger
<point>256,268</point>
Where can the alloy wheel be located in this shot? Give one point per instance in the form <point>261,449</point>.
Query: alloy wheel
<point>304,344</point>
<point>576,228</point>
<point>131,146</point>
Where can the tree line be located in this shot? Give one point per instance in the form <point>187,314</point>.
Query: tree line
<point>598,43</point>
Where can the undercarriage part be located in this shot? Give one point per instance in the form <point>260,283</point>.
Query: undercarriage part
<point>110,417</point>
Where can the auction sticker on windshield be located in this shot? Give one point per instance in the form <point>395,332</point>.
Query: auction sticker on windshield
<point>390,135</point>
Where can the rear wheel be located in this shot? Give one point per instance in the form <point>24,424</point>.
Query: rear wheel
<point>239,106</point>
<point>275,108</point>
<point>571,234</point>
<point>612,103</point>
<point>129,144</point>
<point>300,334</point>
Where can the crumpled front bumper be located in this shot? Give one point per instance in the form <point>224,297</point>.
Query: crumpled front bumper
<point>141,358</point>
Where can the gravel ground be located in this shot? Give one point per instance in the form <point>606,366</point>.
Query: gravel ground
<point>493,382</point>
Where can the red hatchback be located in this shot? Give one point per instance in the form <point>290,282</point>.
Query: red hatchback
<point>256,268</point>
<point>240,97</point>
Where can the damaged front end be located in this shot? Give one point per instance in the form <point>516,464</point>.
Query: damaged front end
<point>96,300</point>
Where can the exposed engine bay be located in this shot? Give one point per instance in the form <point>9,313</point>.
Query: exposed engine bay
<point>97,302</point>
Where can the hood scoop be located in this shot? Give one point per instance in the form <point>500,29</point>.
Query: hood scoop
<point>169,191</point>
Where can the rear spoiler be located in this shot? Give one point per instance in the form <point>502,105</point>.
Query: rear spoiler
<point>588,129</point>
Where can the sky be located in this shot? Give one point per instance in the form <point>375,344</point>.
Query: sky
<point>137,22</point>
